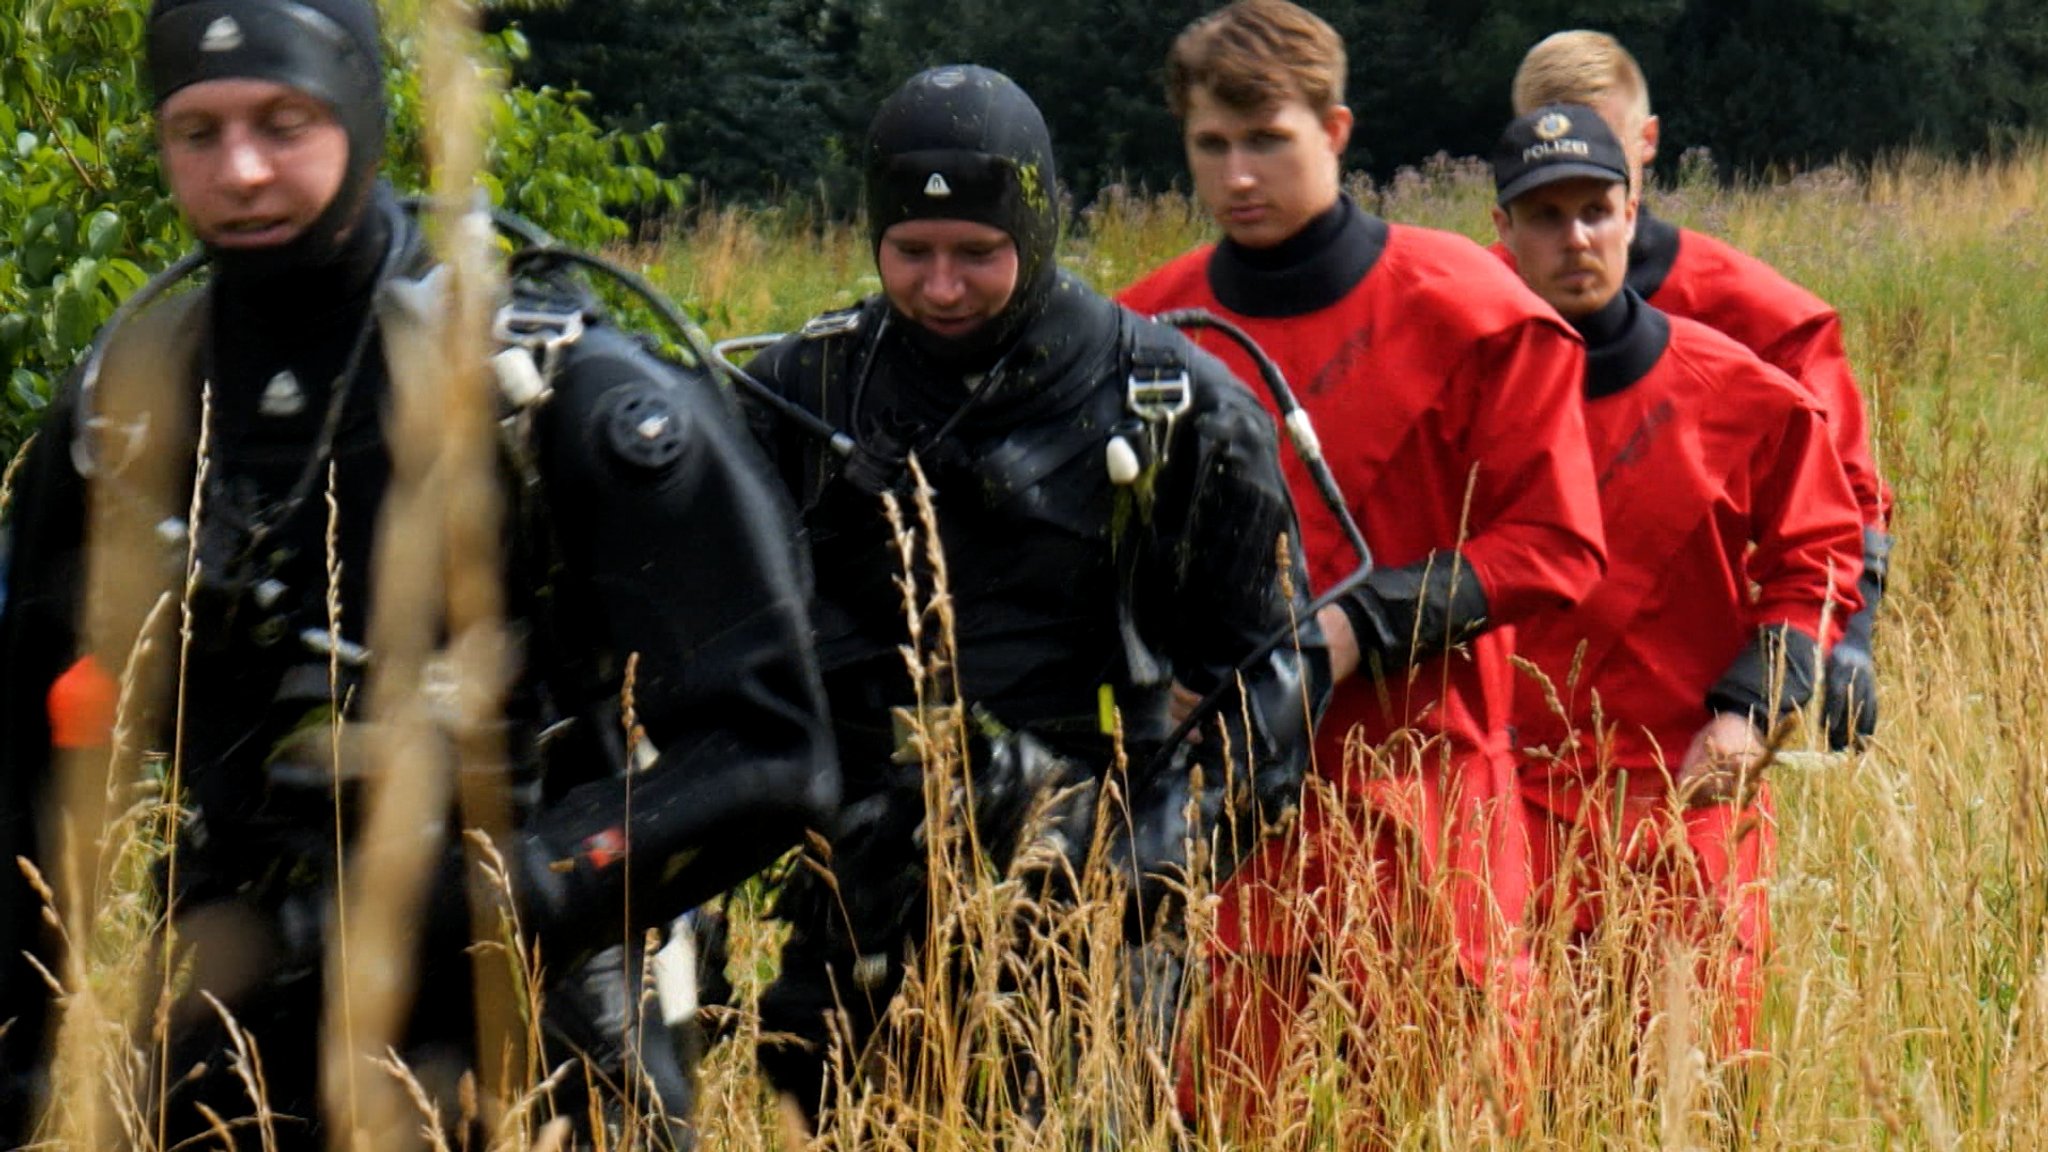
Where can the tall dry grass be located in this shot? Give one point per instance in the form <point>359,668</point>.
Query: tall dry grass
<point>1908,1003</point>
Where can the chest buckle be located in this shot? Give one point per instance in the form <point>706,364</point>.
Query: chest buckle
<point>1159,392</point>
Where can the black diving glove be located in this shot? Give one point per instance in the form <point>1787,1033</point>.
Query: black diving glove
<point>1850,708</point>
<point>1403,616</point>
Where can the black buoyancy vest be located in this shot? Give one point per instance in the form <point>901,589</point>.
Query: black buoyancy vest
<point>1040,544</point>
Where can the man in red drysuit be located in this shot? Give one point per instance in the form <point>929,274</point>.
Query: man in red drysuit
<point>1446,396</point>
<point>1732,540</point>
<point>1689,274</point>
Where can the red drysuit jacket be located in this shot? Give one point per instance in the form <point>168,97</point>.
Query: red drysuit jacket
<point>1726,510</point>
<point>1446,397</point>
<point>1693,276</point>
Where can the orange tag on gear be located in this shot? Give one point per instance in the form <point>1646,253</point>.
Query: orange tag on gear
<point>82,703</point>
<point>605,849</point>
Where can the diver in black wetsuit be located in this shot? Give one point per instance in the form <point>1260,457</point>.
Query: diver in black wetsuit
<point>651,529</point>
<point>1109,500</point>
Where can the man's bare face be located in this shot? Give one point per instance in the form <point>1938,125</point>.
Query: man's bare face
<point>1570,241</point>
<point>1264,175</point>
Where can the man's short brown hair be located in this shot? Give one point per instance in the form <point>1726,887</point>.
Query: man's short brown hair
<point>1581,67</point>
<point>1256,54</point>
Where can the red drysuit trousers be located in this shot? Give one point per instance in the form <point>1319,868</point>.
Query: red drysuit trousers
<point>1620,855</point>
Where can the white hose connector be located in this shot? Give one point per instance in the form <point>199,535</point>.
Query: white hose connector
<point>1303,433</point>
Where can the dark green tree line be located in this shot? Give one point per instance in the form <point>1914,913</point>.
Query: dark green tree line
<point>766,98</point>
<point>749,95</point>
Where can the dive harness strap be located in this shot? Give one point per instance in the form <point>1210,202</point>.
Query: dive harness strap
<point>1158,392</point>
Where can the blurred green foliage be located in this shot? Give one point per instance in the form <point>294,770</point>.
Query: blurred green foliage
<point>84,217</point>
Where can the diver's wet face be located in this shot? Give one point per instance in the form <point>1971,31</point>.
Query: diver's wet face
<point>950,277</point>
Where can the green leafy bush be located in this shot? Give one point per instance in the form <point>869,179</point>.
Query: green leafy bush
<point>84,218</point>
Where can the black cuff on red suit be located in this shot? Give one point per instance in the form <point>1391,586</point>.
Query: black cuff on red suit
<point>1771,679</point>
<point>1877,551</point>
<point>1408,614</point>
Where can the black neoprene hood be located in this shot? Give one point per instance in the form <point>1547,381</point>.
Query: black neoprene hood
<point>963,142</point>
<point>327,48</point>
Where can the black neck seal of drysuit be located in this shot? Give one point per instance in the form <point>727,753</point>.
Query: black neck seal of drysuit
<point>1624,340</point>
<point>328,49</point>
<point>963,142</point>
<point>1307,272</point>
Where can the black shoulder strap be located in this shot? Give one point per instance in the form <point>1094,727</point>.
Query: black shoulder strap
<point>1158,390</point>
<point>835,350</point>
<point>134,444</point>
<point>1150,344</point>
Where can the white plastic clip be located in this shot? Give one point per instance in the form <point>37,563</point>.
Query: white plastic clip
<point>1122,461</point>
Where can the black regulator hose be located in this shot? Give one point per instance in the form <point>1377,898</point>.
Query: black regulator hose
<point>542,248</point>
<point>685,331</point>
<point>804,418</point>
<point>517,227</point>
<point>1207,706</point>
<point>1307,445</point>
